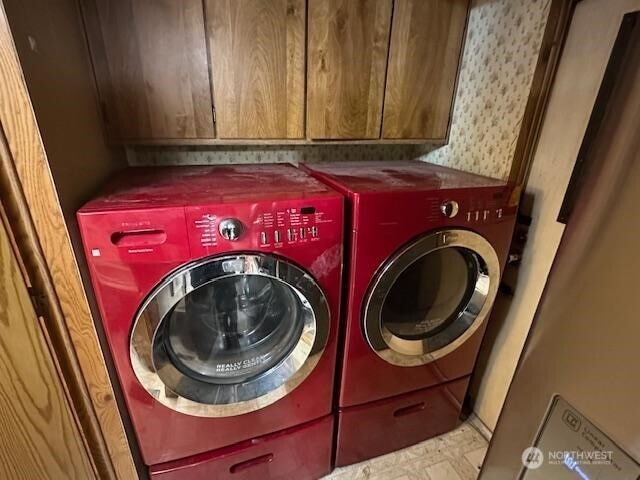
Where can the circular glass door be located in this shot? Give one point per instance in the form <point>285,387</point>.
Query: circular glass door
<point>229,335</point>
<point>430,297</point>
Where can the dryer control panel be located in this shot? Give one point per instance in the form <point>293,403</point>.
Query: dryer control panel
<point>471,206</point>
<point>451,208</point>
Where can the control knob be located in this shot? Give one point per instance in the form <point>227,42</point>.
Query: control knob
<point>231,229</point>
<point>449,208</point>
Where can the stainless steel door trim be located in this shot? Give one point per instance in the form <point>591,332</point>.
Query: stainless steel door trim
<point>407,353</point>
<point>162,380</point>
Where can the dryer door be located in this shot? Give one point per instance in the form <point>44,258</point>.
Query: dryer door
<point>229,335</point>
<point>430,297</point>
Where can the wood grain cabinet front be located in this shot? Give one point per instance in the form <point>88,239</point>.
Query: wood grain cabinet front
<point>347,58</point>
<point>150,61</point>
<point>257,53</point>
<point>296,71</point>
<point>426,41</point>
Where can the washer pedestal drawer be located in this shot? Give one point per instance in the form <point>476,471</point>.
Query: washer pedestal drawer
<point>302,452</point>
<point>373,429</point>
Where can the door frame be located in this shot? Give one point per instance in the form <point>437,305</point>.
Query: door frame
<point>33,209</point>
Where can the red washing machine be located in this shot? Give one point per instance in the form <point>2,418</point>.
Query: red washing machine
<point>426,249</point>
<point>219,293</point>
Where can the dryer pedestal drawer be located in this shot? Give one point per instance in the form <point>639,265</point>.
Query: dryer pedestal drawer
<point>302,452</point>
<point>373,429</point>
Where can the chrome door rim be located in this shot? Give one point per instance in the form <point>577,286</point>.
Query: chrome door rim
<point>159,377</point>
<point>407,353</point>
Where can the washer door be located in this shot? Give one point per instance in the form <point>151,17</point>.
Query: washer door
<point>229,335</point>
<point>430,297</point>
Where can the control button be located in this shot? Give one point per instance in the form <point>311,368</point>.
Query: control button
<point>290,235</point>
<point>276,236</point>
<point>449,208</point>
<point>303,233</point>
<point>485,215</point>
<point>264,238</point>
<point>499,213</point>
<point>468,216</point>
<point>477,215</point>
<point>231,229</point>
<point>314,232</point>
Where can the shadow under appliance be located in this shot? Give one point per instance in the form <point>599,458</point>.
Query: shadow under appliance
<point>219,289</point>
<point>426,249</point>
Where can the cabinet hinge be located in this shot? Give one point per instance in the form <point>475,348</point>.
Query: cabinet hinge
<point>214,113</point>
<point>39,302</point>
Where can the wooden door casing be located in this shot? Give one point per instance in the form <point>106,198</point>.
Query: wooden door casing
<point>257,53</point>
<point>37,219</point>
<point>40,438</point>
<point>424,52</point>
<point>151,65</point>
<point>346,67</point>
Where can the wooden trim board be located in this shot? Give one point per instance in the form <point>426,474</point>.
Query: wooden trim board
<point>559,17</point>
<point>284,143</point>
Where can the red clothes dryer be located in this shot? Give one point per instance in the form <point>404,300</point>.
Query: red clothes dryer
<point>219,294</point>
<point>426,247</point>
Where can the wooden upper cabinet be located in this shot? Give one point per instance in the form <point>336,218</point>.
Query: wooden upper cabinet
<point>426,40</point>
<point>375,69</point>
<point>347,58</point>
<point>257,51</point>
<point>150,59</point>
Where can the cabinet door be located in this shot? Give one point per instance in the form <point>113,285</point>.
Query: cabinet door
<point>348,44</point>
<point>40,438</point>
<point>426,39</point>
<point>151,66</point>
<point>257,51</point>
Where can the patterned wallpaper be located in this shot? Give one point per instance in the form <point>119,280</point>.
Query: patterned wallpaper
<point>500,54</point>
<point>266,154</point>
<point>501,49</point>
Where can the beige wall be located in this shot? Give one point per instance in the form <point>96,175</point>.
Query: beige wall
<point>577,82</point>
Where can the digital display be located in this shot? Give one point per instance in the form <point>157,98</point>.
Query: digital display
<point>307,210</point>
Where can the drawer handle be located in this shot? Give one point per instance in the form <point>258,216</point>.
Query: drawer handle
<point>401,412</point>
<point>238,467</point>
<point>136,238</point>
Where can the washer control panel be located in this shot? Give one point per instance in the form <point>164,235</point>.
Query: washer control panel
<point>290,226</point>
<point>268,225</point>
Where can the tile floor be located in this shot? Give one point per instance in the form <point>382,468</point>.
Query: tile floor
<point>456,455</point>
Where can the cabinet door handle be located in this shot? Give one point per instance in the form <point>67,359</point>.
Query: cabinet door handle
<point>238,467</point>
<point>409,410</point>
